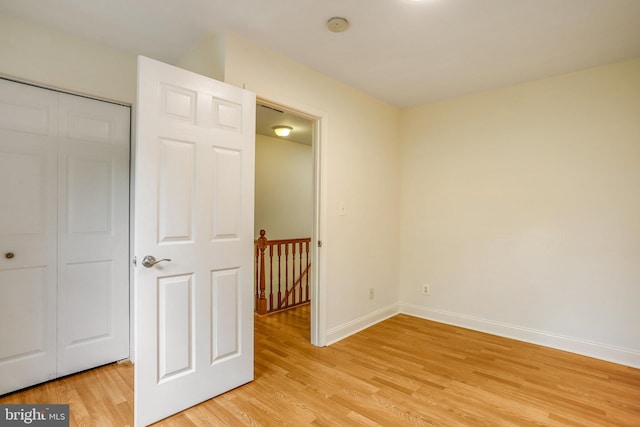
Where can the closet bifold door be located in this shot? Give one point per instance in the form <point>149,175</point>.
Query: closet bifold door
<point>28,228</point>
<point>64,234</point>
<point>93,230</point>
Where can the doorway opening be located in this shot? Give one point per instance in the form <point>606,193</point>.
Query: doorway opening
<point>287,199</point>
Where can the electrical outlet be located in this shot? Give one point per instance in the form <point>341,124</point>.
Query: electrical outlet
<point>370,293</point>
<point>426,290</point>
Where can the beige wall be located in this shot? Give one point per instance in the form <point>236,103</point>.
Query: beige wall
<point>521,210</point>
<point>284,188</point>
<point>206,57</point>
<point>518,206</point>
<point>360,161</point>
<point>61,61</point>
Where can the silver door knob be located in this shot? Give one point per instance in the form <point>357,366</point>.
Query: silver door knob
<point>149,261</point>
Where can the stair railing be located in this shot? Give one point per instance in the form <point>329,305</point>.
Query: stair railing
<point>281,287</point>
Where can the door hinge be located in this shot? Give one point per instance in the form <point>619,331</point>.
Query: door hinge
<point>319,243</point>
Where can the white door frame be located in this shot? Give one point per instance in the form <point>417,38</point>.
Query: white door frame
<point>320,121</point>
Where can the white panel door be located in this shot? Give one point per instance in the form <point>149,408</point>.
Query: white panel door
<point>64,234</point>
<point>194,206</point>
<point>93,231</point>
<point>28,223</point>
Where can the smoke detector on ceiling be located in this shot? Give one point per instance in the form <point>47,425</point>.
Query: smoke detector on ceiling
<point>337,24</point>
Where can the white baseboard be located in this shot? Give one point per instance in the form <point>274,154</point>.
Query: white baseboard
<point>343,331</point>
<point>623,356</point>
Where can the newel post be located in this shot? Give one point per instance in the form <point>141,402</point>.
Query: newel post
<point>261,304</point>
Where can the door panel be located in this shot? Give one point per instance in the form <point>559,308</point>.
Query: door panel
<point>176,308</point>
<point>194,206</point>
<point>227,193</point>
<point>28,216</point>
<point>26,114</point>
<point>29,309</point>
<point>89,195</point>
<point>225,321</point>
<point>176,191</point>
<point>93,244</point>
<point>88,289</point>
<point>24,203</point>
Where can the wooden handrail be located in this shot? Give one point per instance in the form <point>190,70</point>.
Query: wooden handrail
<point>287,297</point>
<point>282,241</point>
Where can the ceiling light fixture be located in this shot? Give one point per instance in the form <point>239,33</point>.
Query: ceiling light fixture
<point>282,130</point>
<point>337,24</point>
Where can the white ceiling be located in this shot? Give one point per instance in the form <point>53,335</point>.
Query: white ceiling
<point>405,52</point>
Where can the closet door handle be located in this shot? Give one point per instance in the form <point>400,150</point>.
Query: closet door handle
<point>9,255</point>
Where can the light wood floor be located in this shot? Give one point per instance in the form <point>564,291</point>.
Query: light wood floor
<point>403,371</point>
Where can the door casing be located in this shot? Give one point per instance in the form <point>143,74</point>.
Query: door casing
<point>320,120</point>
